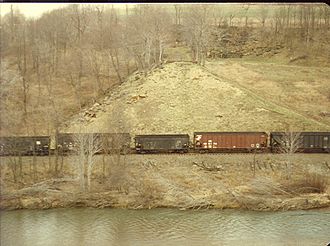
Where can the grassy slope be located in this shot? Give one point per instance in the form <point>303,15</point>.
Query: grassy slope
<point>183,97</point>
<point>302,89</point>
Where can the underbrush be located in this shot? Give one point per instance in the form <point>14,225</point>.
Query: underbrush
<point>308,183</point>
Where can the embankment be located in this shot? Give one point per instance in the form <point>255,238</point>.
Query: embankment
<point>263,182</point>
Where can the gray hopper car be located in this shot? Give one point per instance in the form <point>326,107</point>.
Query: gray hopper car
<point>306,142</point>
<point>24,145</point>
<point>109,142</point>
<point>162,143</point>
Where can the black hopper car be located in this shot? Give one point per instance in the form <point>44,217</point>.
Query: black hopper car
<point>170,143</point>
<point>306,142</point>
<point>108,142</point>
<point>24,145</point>
<point>114,143</point>
<point>65,143</point>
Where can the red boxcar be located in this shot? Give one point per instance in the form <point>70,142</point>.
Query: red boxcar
<point>230,141</point>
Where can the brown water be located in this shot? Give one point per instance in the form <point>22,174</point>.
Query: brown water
<point>159,227</point>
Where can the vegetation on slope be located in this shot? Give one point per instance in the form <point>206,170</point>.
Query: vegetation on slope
<point>182,97</point>
<point>67,59</point>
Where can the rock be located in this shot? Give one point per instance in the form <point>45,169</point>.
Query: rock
<point>55,204</point>
<point>325,114</point>
<point>30,202</point>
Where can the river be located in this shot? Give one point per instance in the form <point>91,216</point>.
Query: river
<point>87,226</point>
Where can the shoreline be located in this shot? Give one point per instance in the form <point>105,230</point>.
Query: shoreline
<point>101,200</point>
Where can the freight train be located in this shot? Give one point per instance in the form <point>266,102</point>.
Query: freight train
<point>202,142</point>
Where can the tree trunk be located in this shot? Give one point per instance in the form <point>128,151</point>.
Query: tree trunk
<point>115,65</point>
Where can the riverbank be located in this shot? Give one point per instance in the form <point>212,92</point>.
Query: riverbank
<point>262,182</point>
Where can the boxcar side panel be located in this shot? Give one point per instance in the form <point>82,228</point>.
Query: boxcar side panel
<point>310,141</point>
<point>161,143</point>
<point>230,140</point>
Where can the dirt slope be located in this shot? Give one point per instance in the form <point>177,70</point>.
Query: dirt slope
<point>182,97</point>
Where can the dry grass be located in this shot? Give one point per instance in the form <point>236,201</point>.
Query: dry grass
<point>148,194</point>
<point>308,183</point>
<point>301,88</point>
<point>147,181</point>
<point>179,94</point>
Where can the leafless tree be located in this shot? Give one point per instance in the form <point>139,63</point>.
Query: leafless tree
<point>87,145</point>
<point>15,161</point>
<point>218,15</point>
<point>116,146</point>
<point>197,31</point>
<point>288,144</point>
<point>245,10</point>
<point>21,61</point>
<point>178,13</point>
<point>93,147</point>
<point>263,14</point>
<point>95,62</point>
<point>148,31</point>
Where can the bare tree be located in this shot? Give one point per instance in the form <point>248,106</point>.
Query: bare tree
<point>148,31</point>
<point>93,147</point>
<point>117,145</point>
<point>263,14</point>
<point>96,65</point>
<point>288,143</point>
<point>21,61</point>
<point>197,31</point>
<point>246,8</point>
<point>14,160</point>
<point>218,15</point>
<point>87,145</point>
<point>178,13</point>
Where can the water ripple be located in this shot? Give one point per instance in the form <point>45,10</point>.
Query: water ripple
<point>163,227</point>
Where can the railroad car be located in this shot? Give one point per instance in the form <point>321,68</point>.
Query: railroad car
<point>65,143</point>
<point>230,141</point>
<point>306,142</point>
<point>109,142</point>
<point>115,143</point>
<point>24,145</point>
<point>168,143</point>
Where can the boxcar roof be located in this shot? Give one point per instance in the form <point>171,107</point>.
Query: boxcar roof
<point>162,135</point>
<point>229,133</point>
<point>45,136</point>
<point>107,133</point>
<point>306,133</point>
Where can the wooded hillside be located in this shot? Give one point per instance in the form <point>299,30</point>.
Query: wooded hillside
<point>54,66</point>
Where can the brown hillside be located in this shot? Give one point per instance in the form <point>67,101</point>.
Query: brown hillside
<point>182,97</point>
